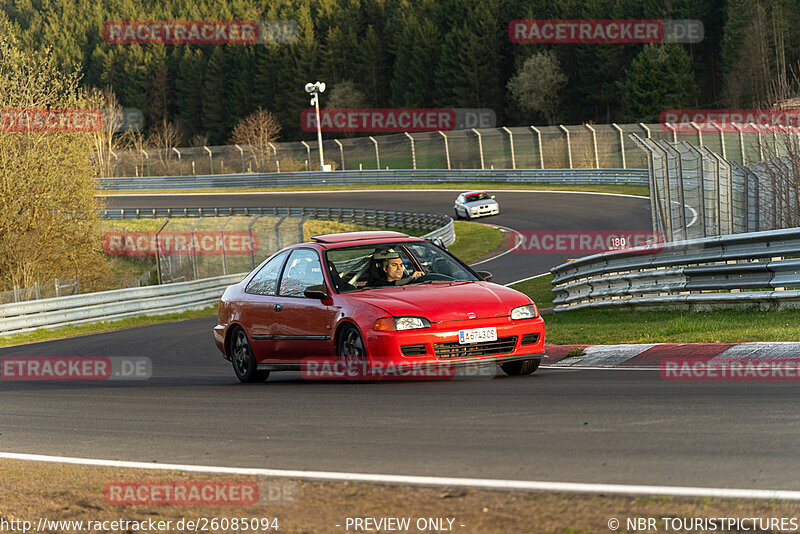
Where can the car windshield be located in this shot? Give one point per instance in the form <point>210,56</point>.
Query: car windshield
<point>370,267</point>
<point>477,196</point>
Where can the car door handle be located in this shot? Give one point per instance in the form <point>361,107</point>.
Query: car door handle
<point>278,307</point>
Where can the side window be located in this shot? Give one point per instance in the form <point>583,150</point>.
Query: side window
<point>265,282</point>
<point>302,270</point>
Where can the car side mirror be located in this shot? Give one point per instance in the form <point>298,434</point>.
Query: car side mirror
<point>316,292</point>
<point>486,275</point>
<point>492,197</point>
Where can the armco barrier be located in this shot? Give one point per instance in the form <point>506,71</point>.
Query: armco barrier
<point>400,176</point>
<point>759,269</point>
<point>440,226</point>
<point>24,317</point>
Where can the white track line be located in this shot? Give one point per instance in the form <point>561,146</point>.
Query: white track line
<point>519,240</point>
<point>481,483</point>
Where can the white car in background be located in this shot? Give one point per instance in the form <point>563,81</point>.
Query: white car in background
<point>473,204</point>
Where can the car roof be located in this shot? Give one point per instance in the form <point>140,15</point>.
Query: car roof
<point>348,237</point>
<point>476,192</point>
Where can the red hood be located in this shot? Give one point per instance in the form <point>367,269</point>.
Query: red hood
<point>445,302</point>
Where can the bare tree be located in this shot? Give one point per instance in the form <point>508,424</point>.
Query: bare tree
<point>106,140</point>
<point>257,130</point>
<point>537,85</point>
<point>165,137</point>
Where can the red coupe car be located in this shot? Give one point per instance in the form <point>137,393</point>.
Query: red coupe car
<point>363,303</point>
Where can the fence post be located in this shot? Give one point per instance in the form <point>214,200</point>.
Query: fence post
<point>195,270</point>
<point>275,156</point>
<point>147,158</point>
<point>377,154</point>
<point>210,159</point>
<point>77,286</point>
<point>594,144</point>
<point>569,144</point>
<point>252,243</point>
<point>699,133</point>
<point>413,152</point>
<point>224,256</point>
<point>58,288</point>
<point>646,129</point>
<point>341,152</point>
<point>621,144</point>
<point>674,131</point>
<point>278,233</point>
<point>158,249</point>
<point>721,139</point>
<point>308,153</point>
<point>511,140</point>
<point>541,152</point>
<point>16,291</point>
<point>741,142</point>
<point>241,153</point>
<point>480,146</point>
<point>446,149</point>
<point>116,162</point>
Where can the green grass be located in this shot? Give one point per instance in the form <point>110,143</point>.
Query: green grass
<point>600,327</point>
<point>474,240</point>
<point>640,190</point>
<point>105,326</point>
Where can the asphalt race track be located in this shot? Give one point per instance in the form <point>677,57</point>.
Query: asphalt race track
<point>592,426</point>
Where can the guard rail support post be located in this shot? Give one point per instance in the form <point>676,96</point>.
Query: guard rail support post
<point>413,152</point>
<point>511,141</point>
<point>480,147</point>
<point>569,144</point>
<point>446,149</point>
<point>594,145</point>
<point>541,152</point>
<point>622,146</point>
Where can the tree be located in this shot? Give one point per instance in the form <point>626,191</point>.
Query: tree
<point>257,130</point>
<point>537,85</point>
<point>47,182</point>
<point>660,78</point>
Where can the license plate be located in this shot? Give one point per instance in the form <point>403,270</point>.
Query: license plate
<point>476,335</point>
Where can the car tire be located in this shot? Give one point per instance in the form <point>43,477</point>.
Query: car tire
<point>244,362</point>
<point>352,353</point>
<point>520,368</point>
<point>457,216</point>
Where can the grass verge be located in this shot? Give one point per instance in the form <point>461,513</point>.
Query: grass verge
<point>640,190</point>
<point>31,490</point>
<point>104,326</point>
<point>602,327</point>
<point>474,240</point>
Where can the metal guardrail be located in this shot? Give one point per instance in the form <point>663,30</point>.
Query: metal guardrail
<point>400,176</point>
<point>18,318</point>
<point>441,226</point>
<point>112,305</point>
<point>754,269</point>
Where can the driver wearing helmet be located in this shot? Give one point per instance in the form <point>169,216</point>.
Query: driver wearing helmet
<point>389,267</point>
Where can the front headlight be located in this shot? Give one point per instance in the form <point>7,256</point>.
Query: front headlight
<point>525,312</point>
<point>401,323</point>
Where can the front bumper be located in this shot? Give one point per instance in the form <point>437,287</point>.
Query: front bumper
<point>439,343</point>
